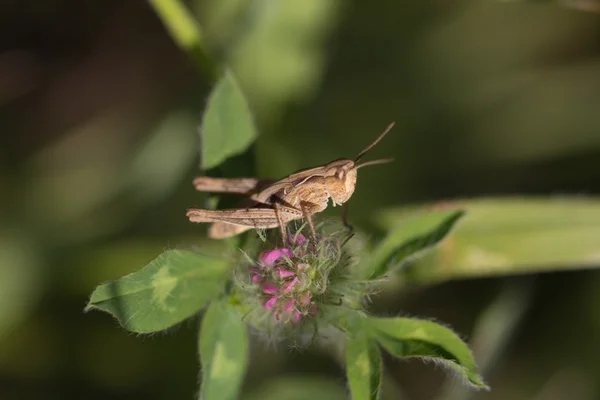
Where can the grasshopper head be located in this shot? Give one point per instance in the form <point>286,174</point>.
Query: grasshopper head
<point>341,179</point>
<point>341,174</point>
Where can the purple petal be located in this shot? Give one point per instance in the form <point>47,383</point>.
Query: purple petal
<point>289,305</point>
<point>270,303</point>
<point>288,286</point>
<point>270,288</point>
<point>269,257</point>
<point>283,273</point>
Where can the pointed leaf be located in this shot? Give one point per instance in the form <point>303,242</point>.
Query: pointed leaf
<point>363,366</point>
<point>227,125</point>
<point>411,238</point>
<point>223,348</point>
<point>411,337</point>
<point>502,236</point>
<point>173,287</point>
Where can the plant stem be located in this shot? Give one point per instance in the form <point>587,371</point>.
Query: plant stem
<point>186,32</point>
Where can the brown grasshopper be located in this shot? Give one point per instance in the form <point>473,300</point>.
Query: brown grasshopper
<point>272,204</point>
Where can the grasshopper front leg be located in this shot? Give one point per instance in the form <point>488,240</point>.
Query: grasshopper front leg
<point>307,211</point>
<point>345,219</point>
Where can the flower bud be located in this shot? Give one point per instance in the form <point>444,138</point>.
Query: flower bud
<point>270,288</point>
<point>270,257</point>
<point>283,273</point>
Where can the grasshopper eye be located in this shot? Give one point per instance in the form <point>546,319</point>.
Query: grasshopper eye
<point>341,174</point>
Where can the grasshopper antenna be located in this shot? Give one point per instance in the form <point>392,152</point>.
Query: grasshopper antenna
<point>375,162</point>
<point>369,147</point>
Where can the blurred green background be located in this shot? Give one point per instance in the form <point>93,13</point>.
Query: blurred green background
<point>99,111</point>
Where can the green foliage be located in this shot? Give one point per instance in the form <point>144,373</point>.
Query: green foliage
<point>293,296</point>
<point>65,208</point>
<point>410,337</point>
<point>505,236</point>
<point>409,239</point>
<point>223,349</point>
<point>227,126</point>
<point>363,365</point>
<point>173,287</point>
<point>178,283</point>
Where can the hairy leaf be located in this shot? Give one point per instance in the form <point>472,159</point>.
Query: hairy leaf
<point>411,337</point>
<point>223,348</point>
<point>363,366</point>
<point>501,236</point>
<point>227,125</point>
<point>411,238</point>
<point>173,287</point>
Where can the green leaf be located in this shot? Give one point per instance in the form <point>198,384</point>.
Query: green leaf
<point>363,365</point>
<point>173,287</point>
<point>223,348</point>
<point>410,337</point>
<point>227,125</point>
<point>410,239</point>
<point>501,236</point>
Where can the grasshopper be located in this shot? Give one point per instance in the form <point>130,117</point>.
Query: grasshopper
<point>272,204</point>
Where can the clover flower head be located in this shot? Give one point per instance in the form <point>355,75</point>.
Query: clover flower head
<point>296,284</point>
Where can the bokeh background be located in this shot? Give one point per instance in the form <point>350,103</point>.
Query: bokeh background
<point>99,113</point>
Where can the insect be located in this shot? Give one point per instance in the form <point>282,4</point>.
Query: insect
<point>271,204</point>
